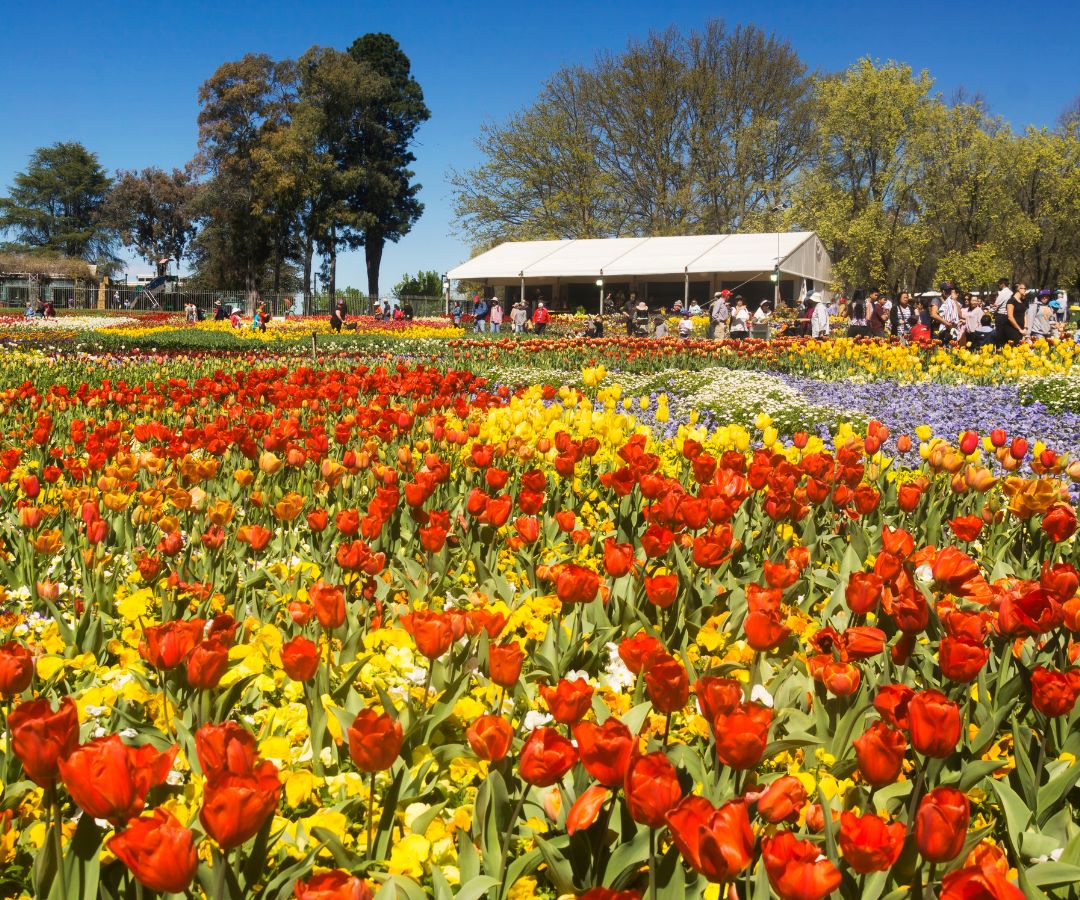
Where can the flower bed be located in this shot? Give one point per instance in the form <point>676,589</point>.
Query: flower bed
<point>275,629</point>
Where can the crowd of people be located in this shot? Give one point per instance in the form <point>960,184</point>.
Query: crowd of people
<point>1011,315</point>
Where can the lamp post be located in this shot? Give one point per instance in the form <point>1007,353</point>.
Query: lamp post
<point>446,294</point>
<point>600,285</point>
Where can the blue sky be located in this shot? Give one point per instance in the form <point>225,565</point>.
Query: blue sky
<point>122,77</point>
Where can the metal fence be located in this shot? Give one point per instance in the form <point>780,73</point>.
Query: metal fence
<point>130,297</point>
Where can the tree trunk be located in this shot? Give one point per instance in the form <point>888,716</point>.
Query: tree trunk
<point>332,284</point>
<point>373,248</point>
<point>308,251</point>
<point>252,289</point>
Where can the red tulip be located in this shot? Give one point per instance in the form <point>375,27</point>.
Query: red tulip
<point>41,736</point>
<point>742,736</point>
<point>651,788</point>
<point>110,780</point>
<point>935,723</point>
<point>966,528</point>
<point>782,801</point>
<point>1054,693</point>
<point>586,809</point>
<point>636,651</point>
<point>891,702</point>
<point>667,684</point>
<point>661,590</point>
<point>941,824</point>
<point>717,842</point>
<point>300,658</point>
<point>207,664</point>
<point>568,701</point>
<point>880,754</point>
<point>490,737</point>
<point>546,757</point>
<point>796,869</point>
<point>868,843</point>
<point>576,584</point>
<point>236,806</point>
<point>431,632</point>
<point>329,603</point>
<point>167,646</point>
<point>618,558</point>
<point>226,748</point>
<point>504,663</point>
<point>159,851</point>
<point>16,668</point>
<point>605,750</point>
<point>961,659</point>
<point>1059,523</point>
<point>863,592</point>
<point>374,740</point>
<point>718,695</point>
<point>978,883</point>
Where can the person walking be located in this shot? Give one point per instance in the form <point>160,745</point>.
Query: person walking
<point>879,315</point>
<point>496,316</point>
<point>719,315</point>
<point>1041,320</point>
<point>819,318</point>
<point>858,320</point>
<point>945,314</point>
<point>628,311</point>
<point>518,316</point>
<point>1014,330</point>
<point>540,318</point>
<point>480,311</point>
<point>455,314</point>
<point>1000,313</point>
<point>640,321</point>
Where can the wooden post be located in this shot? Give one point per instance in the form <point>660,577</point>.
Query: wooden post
<point>314,348</point>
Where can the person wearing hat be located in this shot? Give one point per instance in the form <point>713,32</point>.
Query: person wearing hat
<point>640,322</point>
<point>219,311</point>
<point>518,316</point>
<point>686,325</point>
<point>719,313</point>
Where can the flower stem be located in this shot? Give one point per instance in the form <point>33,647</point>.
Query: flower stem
<point>509,835</point>
<point>219,881</point>
<point>57,827</point>
<point>371,814</point>
<point>652,864</point>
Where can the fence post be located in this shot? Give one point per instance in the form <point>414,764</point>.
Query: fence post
<point>314,348</point>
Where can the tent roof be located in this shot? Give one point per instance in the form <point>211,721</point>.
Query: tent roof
<point>610,257</point>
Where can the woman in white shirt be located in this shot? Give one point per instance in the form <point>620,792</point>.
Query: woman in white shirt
<point>819,318</point>
<point>740,319</point>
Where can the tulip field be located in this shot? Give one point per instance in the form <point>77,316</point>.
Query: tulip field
<point>421,616</point>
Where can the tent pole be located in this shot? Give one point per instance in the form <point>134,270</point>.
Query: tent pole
<point>686,290</point>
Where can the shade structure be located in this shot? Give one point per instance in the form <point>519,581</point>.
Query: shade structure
<point>798,253</point>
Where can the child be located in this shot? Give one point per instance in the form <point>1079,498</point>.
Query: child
<point>686,326</point>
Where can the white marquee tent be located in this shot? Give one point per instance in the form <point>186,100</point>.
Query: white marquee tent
<point>653,267</point>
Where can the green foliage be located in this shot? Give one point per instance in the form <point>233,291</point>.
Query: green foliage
<point>55,205</point>
<point>978,268</point>
<point>152,211</point>
<point>422,284</point>
<point>727,116</point>
<point>386,200</point>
